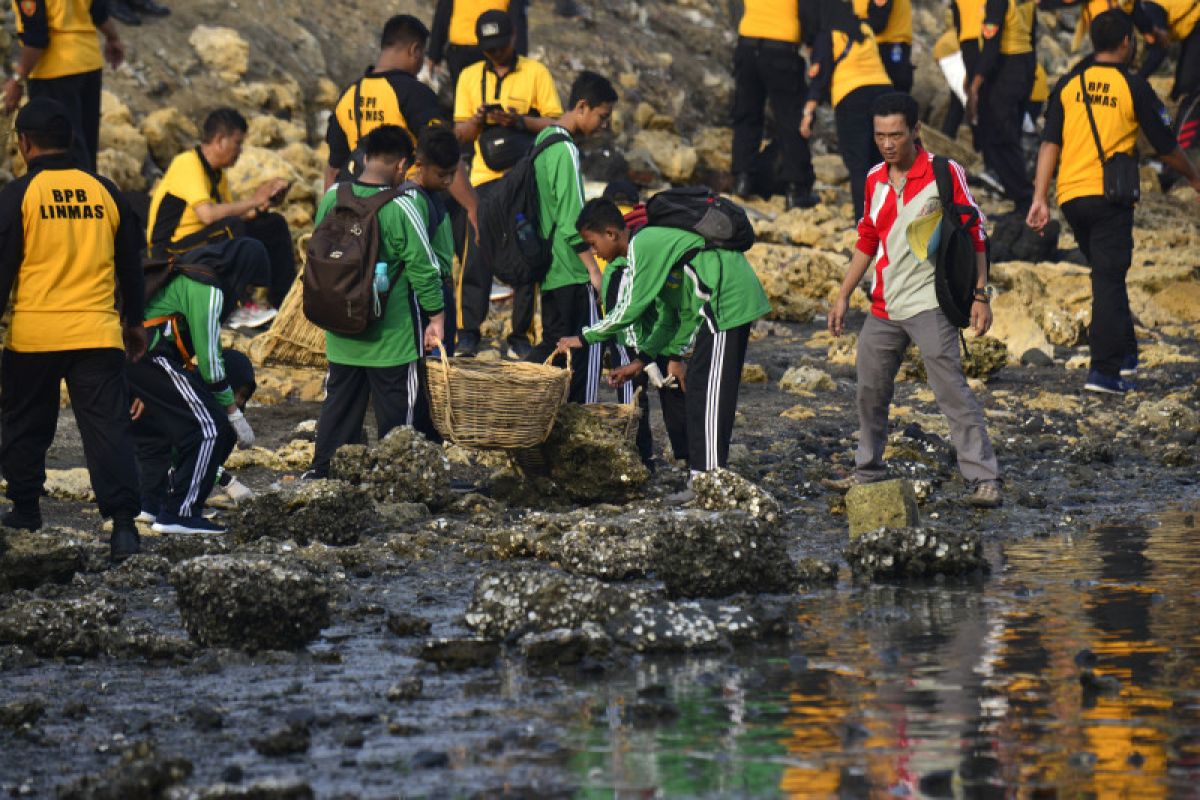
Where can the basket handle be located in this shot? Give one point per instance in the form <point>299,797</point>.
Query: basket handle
<point>555,353</point>
<point>637,395</point>
<point>449,417</point>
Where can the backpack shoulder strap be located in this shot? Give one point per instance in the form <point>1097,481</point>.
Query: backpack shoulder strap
<point>346,198</point>
<point>548,142</point>
<point>432,206</point>
<point>945,182</point>
<point>1087,105</point>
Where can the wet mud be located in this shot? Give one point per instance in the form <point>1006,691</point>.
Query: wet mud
<point>442,629</point>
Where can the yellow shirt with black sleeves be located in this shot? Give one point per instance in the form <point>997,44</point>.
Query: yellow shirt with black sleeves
<point>66,31</point>
<point>842,64</point>
<point>1182,17</point>
<point>1008,30</point>
<point>393,97</point>
<point>189,182</point>
<point>968,18</point>
<point>67,241</point>
<point>1122,103</point>
<point>778,20</point>
<point>528,88</point>
<point>895,27</point>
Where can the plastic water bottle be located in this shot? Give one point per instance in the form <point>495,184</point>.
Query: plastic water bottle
<point>381,279</point>
<point>527,240</point>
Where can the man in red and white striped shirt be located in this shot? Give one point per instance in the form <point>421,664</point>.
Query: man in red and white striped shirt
<point>904,304</point>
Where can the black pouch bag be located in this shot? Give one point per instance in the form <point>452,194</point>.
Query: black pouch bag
<point>1122,181</point>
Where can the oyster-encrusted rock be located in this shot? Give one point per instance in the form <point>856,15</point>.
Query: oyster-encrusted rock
<point>141,773</point>
<point>590,461</point>
<point>717,553</point>
<point>534,601</point>
<point>29,559</point>
<point>915,553</point>
<point>253,603</point>
<point>693,625</point>
<point>610,548</point>
<point>328,511</point>
<point>404,467</point>
<point>724,490</point>
<point>81,626</point>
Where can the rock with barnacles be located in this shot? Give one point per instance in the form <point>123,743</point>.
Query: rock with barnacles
<point>610,548</point>
<point>543,600</point>
<point>589,460</point>
<point>327,511</point>
<point>404,467</point>
<point>30,559</point>
<point>724,490</point>
<point>698,624</point>
<point>889,553</point>
<point>718,553</point>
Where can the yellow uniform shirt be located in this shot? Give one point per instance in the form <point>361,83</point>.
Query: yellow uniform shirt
<point>1013,21</point>
<point>1182,16</point>
<point>1041,85</point>
<point>1122,104</point>
<point>464,15</point>
<point>384,98</point>
<point>969,14</point>
<point>526,89</point>
<point>771,19</point>
<point>188,182</point>
<point>65,30</point>
<point>899,22</point>
<point>66,240</point>
<point>841,65</point>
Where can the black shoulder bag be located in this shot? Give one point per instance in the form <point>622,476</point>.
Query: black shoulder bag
<point>1122,182</point>
<point>501,147</point>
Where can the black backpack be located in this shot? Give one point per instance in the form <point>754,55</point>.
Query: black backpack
<point>722,222</point>
<point>954,262</point>
<point>510,238</point>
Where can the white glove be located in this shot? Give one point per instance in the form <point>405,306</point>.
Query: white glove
<point>238,491</point>
<point>657,380</point>
<point>245,434</point>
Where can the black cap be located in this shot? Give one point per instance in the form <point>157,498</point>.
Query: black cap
<point>43,115</point>
<point>494,29</point>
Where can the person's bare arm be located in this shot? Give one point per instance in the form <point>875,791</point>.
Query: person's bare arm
<point>1039,208</point>
<point>464,193</point>
<point>859,263</point>
<point>981,312</point>
<point>13,87</point>
<point>209,213</point>
<point>1178,161</point>
<point>593,268</point>
<point>114,48</point>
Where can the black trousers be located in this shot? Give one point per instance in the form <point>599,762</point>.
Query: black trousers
<point>1105,235</point>
<point>897,60</point>
<point>272,230</point>
<point>458,58</point>
<point>566,311</point>
<point>956,111</point>
<point>1187,70</point>
<point>475,288</point>
<point>674,410</point>
<point>29,396</point>
<point>449,323</point>
<point>714,373</point>
<point>81,96</point>
<point>183,426</point>
<point>766,70</point>
<point>1001,114</point>
<point>856,138</point>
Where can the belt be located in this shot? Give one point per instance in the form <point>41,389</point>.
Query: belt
<point>769,44</point>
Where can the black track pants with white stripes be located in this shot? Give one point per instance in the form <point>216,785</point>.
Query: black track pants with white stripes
<point>394,392</point>
<point>714,373</point>
<point>182,424</point>
<point>566,311</point>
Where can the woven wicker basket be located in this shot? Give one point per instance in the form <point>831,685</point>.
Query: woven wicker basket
<point>621,417</point>
<point>495,405</point>
<point>292,339</point>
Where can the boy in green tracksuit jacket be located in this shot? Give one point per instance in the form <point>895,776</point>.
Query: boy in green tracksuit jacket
<point>705,300</point>
<point>189,393</point>
<point>569,291</point>
<point>436,165</point>
<point>383,364</point>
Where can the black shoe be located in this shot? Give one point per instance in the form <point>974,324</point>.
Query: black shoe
<point>467,345</point>
<point>125,541</point>
<point>800,198</point>
<point>149,7</point>
<point>22,519</point>
<point>121,11</point>
<point>519,349</point>
<point>743,186</point>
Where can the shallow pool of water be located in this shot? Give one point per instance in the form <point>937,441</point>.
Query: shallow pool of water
<point>1070,672</point>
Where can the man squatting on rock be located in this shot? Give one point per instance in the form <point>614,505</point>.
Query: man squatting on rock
<point>904,304</point>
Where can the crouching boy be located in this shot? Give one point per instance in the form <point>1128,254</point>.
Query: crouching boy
<point>704,300</point>
<point>383,363</point>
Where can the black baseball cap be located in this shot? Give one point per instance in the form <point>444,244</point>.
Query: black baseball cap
<point>494,29</point>
<point>43,115</point>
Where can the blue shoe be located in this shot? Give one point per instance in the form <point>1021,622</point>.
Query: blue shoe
<point>1129,366</point>
<point>169,522</point>
<point>1099,382</point>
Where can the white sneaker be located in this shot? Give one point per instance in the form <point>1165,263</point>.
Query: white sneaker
<point>252,315</point>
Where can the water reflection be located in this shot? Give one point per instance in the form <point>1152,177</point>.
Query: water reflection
<point>938,691</point>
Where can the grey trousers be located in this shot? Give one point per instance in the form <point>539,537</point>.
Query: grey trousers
<point>881,346</point>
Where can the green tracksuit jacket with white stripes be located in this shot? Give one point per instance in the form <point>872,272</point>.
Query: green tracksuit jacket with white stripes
<point>560,199</point>
<point>413,267</point>
<point>200,307</point>
<point>717,288</point>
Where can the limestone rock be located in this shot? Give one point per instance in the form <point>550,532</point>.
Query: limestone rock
<point>296,454</point>
<point>328,511</point>
<point>504,602</point>
<point>1016,328</point>
<point>70,484</point>
<point>675,159</point>
<point>30,559</point>
<point>403,468</point>
<point>273,132</point>
<point>256,166</point>
<point>714,148</point>
<point>123,169</point>
<point>125,138</point>
<point>830,169</point>
<point>113,111</point>
<point>884,504</point>
<point>754,373</point>
<point>278,97</point>
<point>799,282</point>
<point>1170,413</point>
<point>724,490</point>
<point>589,460</point>
<point>222,50</point>
<point>985,356</point>
<point>799,413</point>
<point>717,553</point>
<point>248,602</point>
<point>915,553</point>
<point>168,133</point>
<point>806,380</point>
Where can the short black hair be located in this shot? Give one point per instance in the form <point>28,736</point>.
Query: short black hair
<point>388,140</point>
<point>598,215</point>
<point>438,146</point>
<point>223,122</point>
<point>1110,29</point>
<point>901,103</point>
<point>56,138</point>
<point>593,89</point>
<point>622,190</point>
<point>403,29</point>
